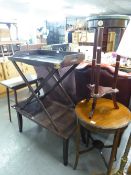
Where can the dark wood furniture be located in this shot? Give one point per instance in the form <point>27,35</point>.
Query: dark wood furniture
<point>83,78</point>
<point>62,121</point>
<point>98,91</point>
<point>16,84</point>
<point>100,24</point>
<point>116,23</point>
<point>106,119</point>
<point>104,77</point>
<point>98,114</point>
<point>50,114</point>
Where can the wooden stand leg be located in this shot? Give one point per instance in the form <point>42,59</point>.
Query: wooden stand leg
<point>20,121</point>
<point>77,146</point>
<point>114,101</point>
<point>93,107</point>
<point>65,151</point>
<point>114,151</point>
<point>83,134</point>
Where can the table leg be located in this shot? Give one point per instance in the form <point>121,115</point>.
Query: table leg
<point>83,134</point>
<point>114,151</point>
<point>8,100</point>
<point>77,145</point>
<point>15,94</point>
<point>20,122</point>
<point>65,151</point>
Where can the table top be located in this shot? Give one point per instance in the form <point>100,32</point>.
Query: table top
<point>105,116</point>
<point>104,17</point>
<point>109,21</point>
<point>17,82</point>
<point>47,57</point>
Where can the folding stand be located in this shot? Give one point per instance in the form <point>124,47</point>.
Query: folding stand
<point>49,114</point>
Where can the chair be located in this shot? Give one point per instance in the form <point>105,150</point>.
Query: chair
<point>99,114</point>
<point>15,84</point>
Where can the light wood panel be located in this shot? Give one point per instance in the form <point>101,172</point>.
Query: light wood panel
<point>28,69</point>
<point>2,88</point>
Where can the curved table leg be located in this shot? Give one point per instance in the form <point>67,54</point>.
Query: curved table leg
<point>114,151</point>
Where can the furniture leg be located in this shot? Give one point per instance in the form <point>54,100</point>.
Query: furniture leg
<point>34,93</point>
<point>37,88</point>
<point>83,134</point>
<point>119,141</point>
<point>65,151</point>
<point>88,137</point>
<point>114,101</point>
<point>15,94</point>
<point>20,122</point>
<point>115,81</point>
<point>8,100</point>
<point>114,151</point>
<point>122,131</point>
<point>77,146</point>
<point>93,107</point>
